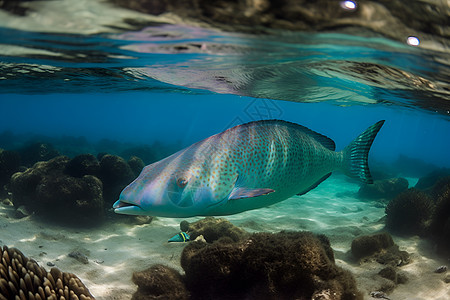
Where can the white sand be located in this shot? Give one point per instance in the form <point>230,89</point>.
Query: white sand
<point>116,250</point>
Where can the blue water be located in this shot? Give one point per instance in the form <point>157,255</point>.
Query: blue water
<point>178,84</point>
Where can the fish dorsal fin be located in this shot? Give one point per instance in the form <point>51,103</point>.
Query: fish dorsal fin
<point>322,139</point>
<point>315,184</point>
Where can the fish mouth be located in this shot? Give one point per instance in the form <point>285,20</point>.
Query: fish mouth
<point>126,208</point>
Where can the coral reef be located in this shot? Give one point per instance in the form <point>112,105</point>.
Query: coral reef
<point>383,189</point>
<point>23,278</point>
<point>159,282</point>
<point>410,212</point>
<point>115,174</point>
<point>287,265</point>
<point>46,190</point>
<point>214,229</point>
<point>37,151</point>
<point>379,247</point>
<point>83,164</point>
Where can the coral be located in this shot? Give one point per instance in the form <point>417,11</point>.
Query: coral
<point>287,265</point>
<point>136,164</point>
<point>115,174</point>
<point>37,152</point>
<point>46,190</point>
<point>23,278</point>
<point>213,229</point>
<point>83,164</point>
<point>383,189</point>
<point>379,247</point>
<point>410,212</point>
<point>159,282</point>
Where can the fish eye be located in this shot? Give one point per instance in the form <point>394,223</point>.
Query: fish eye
<point>181,182</point>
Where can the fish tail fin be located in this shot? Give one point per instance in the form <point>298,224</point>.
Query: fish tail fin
<point>356,155</point>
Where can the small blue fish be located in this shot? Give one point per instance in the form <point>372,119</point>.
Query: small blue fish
<point>181,237</point>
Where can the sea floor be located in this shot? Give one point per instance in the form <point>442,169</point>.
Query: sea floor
<point>116,250</point>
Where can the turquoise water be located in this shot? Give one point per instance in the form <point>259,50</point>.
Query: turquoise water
<point>178,84</point>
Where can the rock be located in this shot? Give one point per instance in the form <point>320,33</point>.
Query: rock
<point>427,182</point>
<point>213,229</point>
<point>441,269</point>
<point>447,278</point>
<point>80,256</point>
<point>83,164</point>
<point>380,248</point>
<point>21,212</point>
<point>159,282</point>
<point>389,273</point>
<point>115,174</point>
<point>383,189</point>
<point>410,213</point>
<point>369,244</point>
<point>184,226</point>
<point>46,190</point>
<point>136,164</point>
<point>286,265</point>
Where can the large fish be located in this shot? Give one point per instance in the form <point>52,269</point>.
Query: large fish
<point>245,167</point>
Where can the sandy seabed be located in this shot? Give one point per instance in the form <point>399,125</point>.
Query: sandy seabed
<point>116,250</point>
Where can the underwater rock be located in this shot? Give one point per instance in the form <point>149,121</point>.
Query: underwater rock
<point>440,222</point>
<point>115,174</point>
<point>136,164</point>
<point>391,273</point>
<point>380,248</point>
<point>36,152</point>
<point>383,189</point>
<point>213,229</point>
<point>83,164</point>
<point>159,282</point>
<point>410,212</point>
<point>369,244</point>
<point>286,265</point>
<point>80,256</point>
<point>427,182</point>
<point>184,225</point>
<point>9,164</point>
<point>23,278</point>
<point>46,190</point>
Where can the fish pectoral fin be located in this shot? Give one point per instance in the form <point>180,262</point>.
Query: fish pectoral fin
<point>242,192</point>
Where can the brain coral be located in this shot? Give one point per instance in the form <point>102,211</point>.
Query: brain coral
<point>22,278</point>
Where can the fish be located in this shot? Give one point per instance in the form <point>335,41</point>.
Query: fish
<point>246,167</point>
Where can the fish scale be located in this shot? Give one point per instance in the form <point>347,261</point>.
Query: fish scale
<point>245,167</point>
